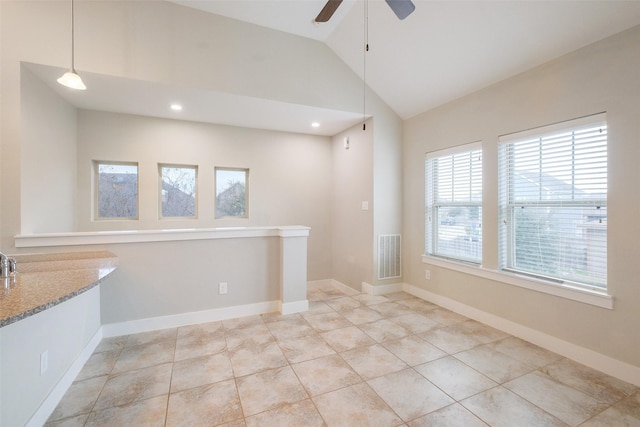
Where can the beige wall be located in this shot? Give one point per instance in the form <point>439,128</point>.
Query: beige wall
<point>369,171</point>
<point>160,42</point>
<point>289,174</point>
<point>171,278</point>
<point>387,184</point>
<point>352,227</point>
<point>597,78</point>
<point>48,161</point>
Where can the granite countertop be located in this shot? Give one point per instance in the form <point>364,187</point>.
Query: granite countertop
<point>46,280</point>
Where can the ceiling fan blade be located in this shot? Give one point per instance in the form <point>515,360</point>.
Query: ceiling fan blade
<point>402,8</point>
<point>328,10</point>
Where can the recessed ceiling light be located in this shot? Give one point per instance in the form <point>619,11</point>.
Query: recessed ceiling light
<point>176,107</point>
<point>315,124</point>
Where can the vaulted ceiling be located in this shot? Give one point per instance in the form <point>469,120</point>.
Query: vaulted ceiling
<point>445,49</point>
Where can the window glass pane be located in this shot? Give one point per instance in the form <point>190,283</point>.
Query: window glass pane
<point>459,233</point>
<point>553,197</point>
<point>231,192</point>
<point>178,191</point>
<point>117,192</point>
<point>454,197</point>
<point>565,243</point>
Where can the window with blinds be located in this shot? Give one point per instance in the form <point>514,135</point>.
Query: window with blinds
<point>553,202</point>
<point>453,222</point>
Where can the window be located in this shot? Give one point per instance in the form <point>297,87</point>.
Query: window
<point>553,202</point>
<point>116,190</point>
<point>232,192</point>
<point>453,184</point>
<point>177,191</point>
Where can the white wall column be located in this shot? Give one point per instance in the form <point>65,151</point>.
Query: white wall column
<point>293,269</point>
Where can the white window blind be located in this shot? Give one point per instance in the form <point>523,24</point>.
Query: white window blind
<point>553,202</point>
<point>453,184</point>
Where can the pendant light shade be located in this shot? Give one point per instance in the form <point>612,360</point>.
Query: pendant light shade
<point>71,79</point>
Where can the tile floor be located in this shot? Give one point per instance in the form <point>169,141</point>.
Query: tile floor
<point>351,360</point>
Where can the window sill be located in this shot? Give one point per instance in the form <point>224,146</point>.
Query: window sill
<point>140,236</point>
<point>599,299</point>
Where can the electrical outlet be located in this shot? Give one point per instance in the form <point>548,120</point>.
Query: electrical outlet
<point>222,288</point>
<point>44,362</point>
<point>427,274</point>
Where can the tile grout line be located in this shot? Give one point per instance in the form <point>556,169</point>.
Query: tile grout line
<point>338,309</point>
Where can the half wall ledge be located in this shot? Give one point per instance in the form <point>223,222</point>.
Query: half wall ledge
<point>293,250</point>
<point>80,238</point>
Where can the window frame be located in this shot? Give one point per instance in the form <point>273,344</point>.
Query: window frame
<point>508,203</point>
<point>96,190</point>
<point>432,220</point>
<point>161,166</point>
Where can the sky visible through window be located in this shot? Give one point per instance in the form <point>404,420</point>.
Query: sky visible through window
<point>225,177</point>
<point>117,169</point>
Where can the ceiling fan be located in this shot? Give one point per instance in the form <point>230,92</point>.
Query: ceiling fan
<point>402,9</point>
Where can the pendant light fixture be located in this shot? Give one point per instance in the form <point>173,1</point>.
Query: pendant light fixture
<point>71,79</point>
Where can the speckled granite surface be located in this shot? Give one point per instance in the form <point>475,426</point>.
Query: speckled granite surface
<point>45,280</point>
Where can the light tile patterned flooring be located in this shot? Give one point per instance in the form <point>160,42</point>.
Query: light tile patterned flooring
<point>351,360</point>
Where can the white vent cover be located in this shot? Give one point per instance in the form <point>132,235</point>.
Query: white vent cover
<point>389,256</point>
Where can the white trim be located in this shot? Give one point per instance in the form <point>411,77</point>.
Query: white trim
<point>50,403</point>
<point>331,283</point>
<point>381,289</point>
<point>599,299</point>
<point>319,284</point>
<point>542,131</point>
<point>476,145</point>
<point>184,319</point>
<point>293,306</point>
<point>344,288</point>
<point>595,360</point>
<point>293,231</point>
<point>142,236</point>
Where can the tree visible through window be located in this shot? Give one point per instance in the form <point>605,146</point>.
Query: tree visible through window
<point>117,190</point>
<point>231,192</point>
<point>178,190</point>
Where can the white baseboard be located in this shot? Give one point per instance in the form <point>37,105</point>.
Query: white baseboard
<point>590,358</point>
<point>344,288</point>
<point>57,393</point>
<point>294,306</point>
<point>184,319</point>
<point>331,283</point>
<point>381,289</point>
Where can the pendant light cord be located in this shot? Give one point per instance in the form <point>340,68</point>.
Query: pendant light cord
<point>364,64</point>
<point>71,79</point>
<point>73,48</point>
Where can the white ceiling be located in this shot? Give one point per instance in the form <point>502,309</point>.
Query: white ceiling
<point>445,49</point>
<point>128,96</point>
<point>290,16</point>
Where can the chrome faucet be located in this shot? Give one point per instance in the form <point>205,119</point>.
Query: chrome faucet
<point>8,265</point>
